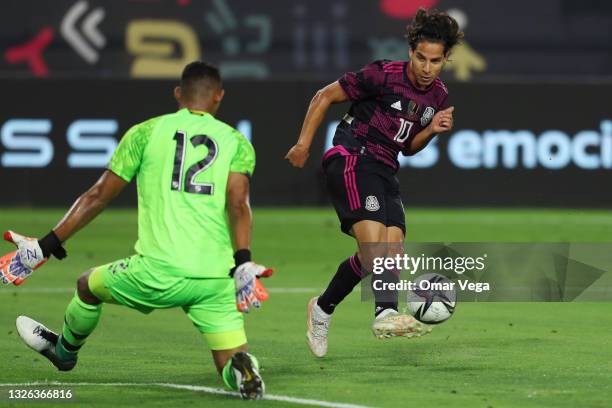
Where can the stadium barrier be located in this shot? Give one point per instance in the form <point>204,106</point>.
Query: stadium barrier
<point>513,144</point>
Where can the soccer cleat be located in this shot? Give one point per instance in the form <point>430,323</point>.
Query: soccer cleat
<point>390,323</point>
<point>249,382</point>
<point>42,340</point>
<point>318,326</point>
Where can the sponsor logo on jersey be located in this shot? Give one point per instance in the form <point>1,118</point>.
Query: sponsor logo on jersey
<point>397,105</point>
<point>427,115</point>
<point>371,203</point>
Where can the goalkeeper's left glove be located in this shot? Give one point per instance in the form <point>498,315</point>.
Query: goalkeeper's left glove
<point>31,253</point>
<point>249,290</point>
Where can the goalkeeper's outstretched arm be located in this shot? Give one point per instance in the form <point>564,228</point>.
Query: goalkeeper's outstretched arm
<point>31,253</point>
<point>89,205</point>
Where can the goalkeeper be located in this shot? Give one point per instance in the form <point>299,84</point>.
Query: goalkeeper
<point>193,174</point>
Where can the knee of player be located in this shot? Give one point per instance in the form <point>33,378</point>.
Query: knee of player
<point>369,258</point>
<point>395,249</point>
<point>82,283</point>
<point>83,290</point>
<point>394,235</point>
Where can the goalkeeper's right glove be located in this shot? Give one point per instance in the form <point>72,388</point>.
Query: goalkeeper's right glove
<point>18,265</point>
<point>249,290</point>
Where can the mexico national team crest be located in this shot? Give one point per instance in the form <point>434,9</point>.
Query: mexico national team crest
<point>371,203</point>
<point>427,115</point>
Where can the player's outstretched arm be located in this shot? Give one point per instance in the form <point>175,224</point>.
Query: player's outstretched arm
<point>332,93</point>
<point>89,205</point>
<point>31,253</point>
<point>249,291</point>
<point>441,122</point>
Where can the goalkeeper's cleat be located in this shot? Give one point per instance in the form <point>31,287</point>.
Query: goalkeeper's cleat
<point>42,340</point>
<point>318,326</point>
<point>248,380</point>
<point>390,323</point>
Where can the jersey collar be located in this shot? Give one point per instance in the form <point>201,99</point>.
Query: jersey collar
<point>196,112</point>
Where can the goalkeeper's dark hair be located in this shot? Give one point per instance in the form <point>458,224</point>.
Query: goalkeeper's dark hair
<point>433,26</point>
<point>199,78</point>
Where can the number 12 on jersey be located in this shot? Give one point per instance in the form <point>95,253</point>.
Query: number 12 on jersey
<point>188,179</point>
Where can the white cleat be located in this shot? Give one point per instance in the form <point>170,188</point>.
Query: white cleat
<point>42,340</point>
<point>390,323</point>
<point>318,326</point>
<point>34,335</point>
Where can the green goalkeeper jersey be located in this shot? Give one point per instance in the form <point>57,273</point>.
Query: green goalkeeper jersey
<point>182,162</point>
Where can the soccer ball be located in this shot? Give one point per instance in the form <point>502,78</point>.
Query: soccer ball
<point>433,299</point>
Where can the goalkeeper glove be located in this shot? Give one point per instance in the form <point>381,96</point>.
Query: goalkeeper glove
<point>18,265</point>
<point>249,290</point>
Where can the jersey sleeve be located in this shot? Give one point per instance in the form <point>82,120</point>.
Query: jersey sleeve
<point>244,158</point>
<point>443,95</point>
<point>364,83</point>
<point>444,104</point>
<point>127,157</point>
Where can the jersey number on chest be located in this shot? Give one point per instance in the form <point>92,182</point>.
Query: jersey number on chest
<point>179,177</point>
<point>404,130</point>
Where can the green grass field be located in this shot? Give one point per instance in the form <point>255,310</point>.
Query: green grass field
<point>486,355</point>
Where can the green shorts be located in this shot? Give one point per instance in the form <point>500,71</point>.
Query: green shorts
<point>210,303</point>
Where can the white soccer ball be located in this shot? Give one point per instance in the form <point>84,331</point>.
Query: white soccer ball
<point>433,299</point>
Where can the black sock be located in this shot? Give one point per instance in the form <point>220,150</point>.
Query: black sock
<point>385,299</point>
<point>349,274</point>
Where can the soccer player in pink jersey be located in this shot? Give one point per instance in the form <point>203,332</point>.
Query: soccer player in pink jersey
<point>396,106</point>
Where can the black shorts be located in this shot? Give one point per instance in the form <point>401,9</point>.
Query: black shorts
<point>362,188</point>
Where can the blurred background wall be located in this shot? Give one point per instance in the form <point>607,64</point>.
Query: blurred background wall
<point>531,84</point>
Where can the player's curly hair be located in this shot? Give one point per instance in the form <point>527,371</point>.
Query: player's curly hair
<point>433,26</point>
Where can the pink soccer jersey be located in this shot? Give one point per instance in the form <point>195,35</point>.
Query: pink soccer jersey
<point>387,109</point>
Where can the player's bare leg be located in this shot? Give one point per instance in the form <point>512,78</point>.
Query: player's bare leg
<point>81,318</point>
<point>240,371</point>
